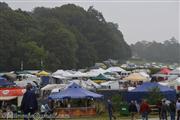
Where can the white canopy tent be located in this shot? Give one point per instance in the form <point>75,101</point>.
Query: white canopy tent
<point>174,83</point>
<point>86,84</point>
<point>23,83</point>
<point>53,86</point>
<point>175,71</point>
<point>95,72</point>
<point>113,85</point>
<point>114,69</point>
<point>62,73</point>
<point>171,83</point>
<point>172,77</point>
<point>91,83</point>
<point>55,90</point>
<point>79,74</point>
<point>145,75</point>
<point>92,74</point>
<point>59,77</point>
<point>100,70</point>
<point>28,75</point>
<point>58,72</point>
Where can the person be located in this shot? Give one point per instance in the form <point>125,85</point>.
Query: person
<point>144,110</point>
<point>158,105</point>
<point>49,106</point>
<point>14,110</point>
<point>178,109</point>
<point>132,110</point>
<point>29,103</point>
<point>164,110</point>
<point>172,110</point>
<point>137,106</point>
<point>43,109</point>
<point>4,109</point>
<point>110,109</point>
<point>9,114</point>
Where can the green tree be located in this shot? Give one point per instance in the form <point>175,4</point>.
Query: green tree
<point>154,95</point>
<point>63,37</point>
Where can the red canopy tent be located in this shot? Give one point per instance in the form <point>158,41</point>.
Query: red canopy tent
<point>11,93</point>
<point>165,71</point>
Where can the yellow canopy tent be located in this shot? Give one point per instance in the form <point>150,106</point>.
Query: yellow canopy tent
<point>42,73</point>
<point>135,77</point>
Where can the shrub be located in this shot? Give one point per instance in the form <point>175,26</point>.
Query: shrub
<point>154,96</point>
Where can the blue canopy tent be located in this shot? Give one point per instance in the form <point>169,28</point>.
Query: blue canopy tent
<point>145,89</point>
<point>74,91</point>
<point>4,82</point>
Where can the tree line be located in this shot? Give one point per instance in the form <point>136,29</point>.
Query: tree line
<point>63,37</point>
<point>166,52</point>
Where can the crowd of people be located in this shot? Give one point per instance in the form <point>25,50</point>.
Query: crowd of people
<point>143,109</point>
<point>29,106</point>
<point>8,110</point>
<point>165,108</point>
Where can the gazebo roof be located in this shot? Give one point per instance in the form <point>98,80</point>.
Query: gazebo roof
<point>43,73</point>
<point>135,77</point>
<point>100,77</point>
<point>74,91</point>
<point>145,87</point>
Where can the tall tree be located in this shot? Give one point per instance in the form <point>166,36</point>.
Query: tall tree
<point>62,37</point>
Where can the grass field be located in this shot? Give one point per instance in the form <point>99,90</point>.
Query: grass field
<point>106,117</point>
<point>98,117</point>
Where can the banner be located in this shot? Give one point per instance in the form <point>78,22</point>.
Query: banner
<point>12,91</point>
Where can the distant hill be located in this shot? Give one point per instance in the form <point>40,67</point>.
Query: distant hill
<point>63,37</point>
<point>167,52</point>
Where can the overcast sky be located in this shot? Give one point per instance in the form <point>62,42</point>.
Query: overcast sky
<point>138,20</point>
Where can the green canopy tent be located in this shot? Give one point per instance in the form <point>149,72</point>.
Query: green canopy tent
<point>100,77</point>
<point>108,73</point>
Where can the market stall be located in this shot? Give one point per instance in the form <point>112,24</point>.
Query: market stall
<point>7,94</point>
<point>82,98</point>
<point>100,78</point>
<point>75,112</point>
<point>42,73</point>
<point>144,90</point>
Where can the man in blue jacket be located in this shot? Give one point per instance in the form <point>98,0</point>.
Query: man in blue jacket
<point>29,103</point>
<point>110,109</point>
